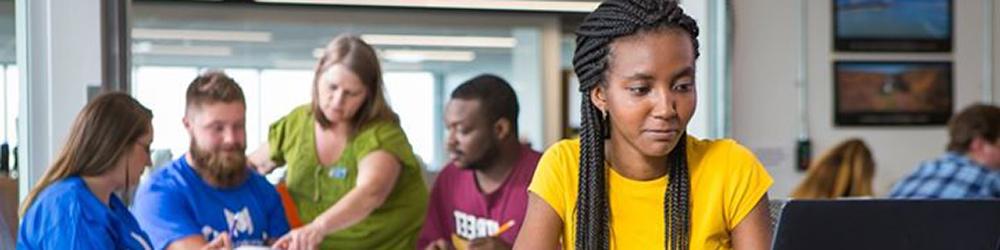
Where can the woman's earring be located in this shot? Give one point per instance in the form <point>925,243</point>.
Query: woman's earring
<point>607,124</point>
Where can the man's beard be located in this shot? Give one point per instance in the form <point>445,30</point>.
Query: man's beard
<point>486,159</point>
<point>226,167</point>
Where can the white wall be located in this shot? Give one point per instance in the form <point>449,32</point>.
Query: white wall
<point>996,51</point>
<point>765,105</point>
<point>59,43</point>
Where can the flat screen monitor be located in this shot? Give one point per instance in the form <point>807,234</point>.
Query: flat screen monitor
<point>870,93</point>
<point>892,25</point>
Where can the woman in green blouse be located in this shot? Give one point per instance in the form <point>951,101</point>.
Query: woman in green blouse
<point>351,171</point>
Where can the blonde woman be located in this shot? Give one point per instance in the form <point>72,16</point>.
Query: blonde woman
<point>844,171</point>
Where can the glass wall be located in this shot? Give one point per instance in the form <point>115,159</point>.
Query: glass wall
<point>271,51</point>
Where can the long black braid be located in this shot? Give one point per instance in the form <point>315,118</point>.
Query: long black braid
<point>611,20</point>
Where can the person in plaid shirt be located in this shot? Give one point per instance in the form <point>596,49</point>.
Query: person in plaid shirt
<point>971,167</point>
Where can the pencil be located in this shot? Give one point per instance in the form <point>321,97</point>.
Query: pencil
<point>503,228</point>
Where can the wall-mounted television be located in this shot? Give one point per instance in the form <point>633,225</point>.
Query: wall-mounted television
<point>893,25</point>
<point>870,93</point>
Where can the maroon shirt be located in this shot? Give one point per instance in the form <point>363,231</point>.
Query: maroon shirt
<point>457,206</point>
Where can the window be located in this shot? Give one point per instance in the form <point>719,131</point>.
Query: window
<point>162,89</point>
<point>407,93</point>
<point>269,50</point>
<point>11,88</point>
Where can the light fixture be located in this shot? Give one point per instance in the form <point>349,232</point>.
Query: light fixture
<point>201,35</point>
<point>410,56</point>
<point>175,50</point>
<point>294,64</point>
<point>513,5</point>
<point>441,41</point>
<point>414,56</point>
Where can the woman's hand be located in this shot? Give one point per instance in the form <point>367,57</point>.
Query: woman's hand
<point>303,238</point>
<point>377,174</point>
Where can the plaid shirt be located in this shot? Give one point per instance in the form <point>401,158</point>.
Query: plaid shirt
<point>952,176</point>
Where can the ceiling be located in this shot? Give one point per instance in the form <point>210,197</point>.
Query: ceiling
<point>296,31</point>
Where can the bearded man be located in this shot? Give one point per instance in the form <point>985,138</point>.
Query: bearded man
<point>209,198</point>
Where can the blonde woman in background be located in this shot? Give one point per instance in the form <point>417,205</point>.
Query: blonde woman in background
<point>844,171</point>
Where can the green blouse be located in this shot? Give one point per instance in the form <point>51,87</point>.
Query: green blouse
<point>315,188</point>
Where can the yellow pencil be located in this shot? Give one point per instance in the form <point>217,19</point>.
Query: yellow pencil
<point>503,228</point>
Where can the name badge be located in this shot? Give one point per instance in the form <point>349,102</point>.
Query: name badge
<point>338,172</point>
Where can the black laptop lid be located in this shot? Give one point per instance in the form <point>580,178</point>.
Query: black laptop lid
<point>889,224</point>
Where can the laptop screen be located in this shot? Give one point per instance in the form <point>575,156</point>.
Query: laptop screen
<point>889,224</point>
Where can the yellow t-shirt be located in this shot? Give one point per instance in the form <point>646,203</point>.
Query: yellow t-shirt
<point>727,181</point>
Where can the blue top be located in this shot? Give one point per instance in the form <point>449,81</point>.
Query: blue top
<point>66,215</point>
<point>952,176</point>
<point>175,203</point>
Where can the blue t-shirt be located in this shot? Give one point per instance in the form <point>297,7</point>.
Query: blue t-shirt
<point>175,203</point>
<point>66,215</point>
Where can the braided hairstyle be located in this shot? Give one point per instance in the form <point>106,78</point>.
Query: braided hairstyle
<point>611,20</point>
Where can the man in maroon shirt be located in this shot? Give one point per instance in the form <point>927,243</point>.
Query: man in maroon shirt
<point>485,185</point>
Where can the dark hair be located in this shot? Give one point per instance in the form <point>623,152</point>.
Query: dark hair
<point>102,134</point>
<point>360,58</point>
<point>495,96</point>
<point>976,121</point>
<point>612,20</point>
<point>211,87</point>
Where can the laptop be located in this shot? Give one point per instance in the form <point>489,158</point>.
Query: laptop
<point>889,224</point>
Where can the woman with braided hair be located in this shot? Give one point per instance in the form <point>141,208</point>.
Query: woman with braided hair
<point>635,179</point>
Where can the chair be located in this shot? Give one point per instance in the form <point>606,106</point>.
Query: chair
<point>775,206</point>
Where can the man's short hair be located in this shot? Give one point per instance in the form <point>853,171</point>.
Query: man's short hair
<point>976,121</point>
<point>212,87</point>
<point>496,98</point>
